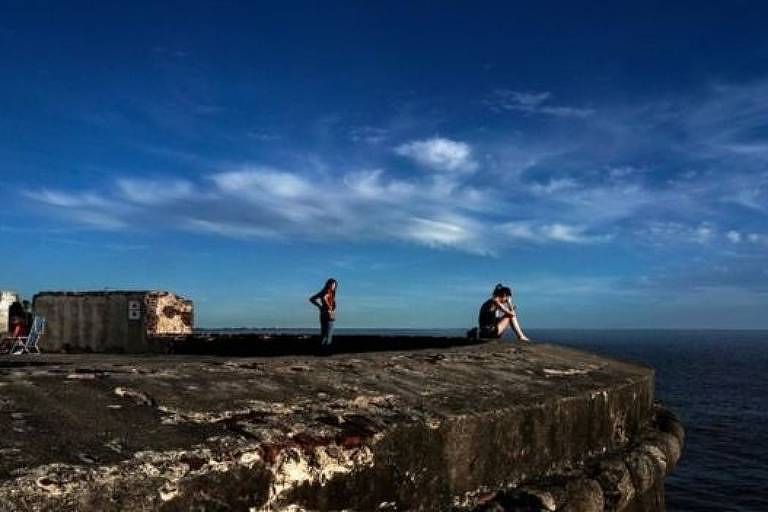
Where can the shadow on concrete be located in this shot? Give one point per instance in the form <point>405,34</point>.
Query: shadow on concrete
<point>24,361</point>
<point>250,345</point>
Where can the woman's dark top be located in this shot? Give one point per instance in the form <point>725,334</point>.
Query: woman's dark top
<point>487,316</point>
<point>487,319</point>
<point>326,303</point>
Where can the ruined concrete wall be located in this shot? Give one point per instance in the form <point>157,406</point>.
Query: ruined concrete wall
<point>6,299</point>
<point>111,321</point>
<point>168,314</point>
<point>92,321</point>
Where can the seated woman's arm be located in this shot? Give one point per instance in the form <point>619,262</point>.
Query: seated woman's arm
<point>507,309</point>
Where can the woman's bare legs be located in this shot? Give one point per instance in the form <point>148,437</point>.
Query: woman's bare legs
<point>511,321</point>
<point>518,330</point>
<point>502,325</point>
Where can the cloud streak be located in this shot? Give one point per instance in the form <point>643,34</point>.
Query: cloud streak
<point>533,103</point>
<point>434,210</point>
<point>264,202</point>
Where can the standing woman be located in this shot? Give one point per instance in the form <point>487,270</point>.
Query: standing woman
<point>325,300</point>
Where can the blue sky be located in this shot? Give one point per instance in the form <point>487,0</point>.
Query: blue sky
<point>609,162</point>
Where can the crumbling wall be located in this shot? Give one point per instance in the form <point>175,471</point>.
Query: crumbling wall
<point>168,314</point>
<point>92,321</point>
<point>6,299</point>
<point>111,321</point>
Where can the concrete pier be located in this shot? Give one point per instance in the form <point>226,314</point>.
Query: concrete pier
<point>492,427</point>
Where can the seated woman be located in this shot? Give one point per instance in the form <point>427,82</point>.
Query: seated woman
<point>17,325</point>
<point>17,328</point>
<point>497,314</point>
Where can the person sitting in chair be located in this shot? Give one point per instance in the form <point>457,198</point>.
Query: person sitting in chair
<point>497,314</point>
<point>29,317</point>
<point>17,327</point>
<point>16,319</point>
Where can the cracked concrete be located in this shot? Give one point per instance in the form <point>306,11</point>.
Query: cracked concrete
<point>418,430</point>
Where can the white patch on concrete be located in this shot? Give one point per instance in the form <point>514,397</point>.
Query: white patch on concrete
<point>294,468</point>
<point>565,372</point>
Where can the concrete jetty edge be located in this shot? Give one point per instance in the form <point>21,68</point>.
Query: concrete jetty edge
<point>493,426</point>
<point>630,480</point>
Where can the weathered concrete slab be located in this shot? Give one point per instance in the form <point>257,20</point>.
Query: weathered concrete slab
<point>456,428</point>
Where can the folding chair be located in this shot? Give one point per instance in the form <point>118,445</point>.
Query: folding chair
<point>28,344</point>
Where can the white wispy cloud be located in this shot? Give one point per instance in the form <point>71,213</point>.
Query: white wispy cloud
<point>665,233</point>
<point>734,236</point>
<point>608,180</point>
<point>371,184</point>
<point>443,232</point>
<point>554,186</point>
<point>533,103</point>
<point>149,192</point>
<point>728,119</point>
<point>565,233</point>
<point>435,210</point>
<point>68,200</point>
<point>593,204</point>
<point>439,154</point>
<point>84,208</point>
<point>449,210</point>
<point>263,136</point>
<point>538,232</point>
<point>264,202</point>
<point>229,230</point>
<point>261,183</point>
<point>739,237</point>
<point>368,134</point>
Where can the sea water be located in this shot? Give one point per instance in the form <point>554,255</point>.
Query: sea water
<point>717,383</point>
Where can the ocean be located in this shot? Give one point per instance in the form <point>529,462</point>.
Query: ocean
<point>717,383</point>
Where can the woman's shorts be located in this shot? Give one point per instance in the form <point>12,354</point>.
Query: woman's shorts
<point>489,331</point>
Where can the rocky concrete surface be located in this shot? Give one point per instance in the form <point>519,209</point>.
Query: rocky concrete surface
<point>456,428</point>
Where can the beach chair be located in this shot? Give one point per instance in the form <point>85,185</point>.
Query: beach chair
<point>29,344</point>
